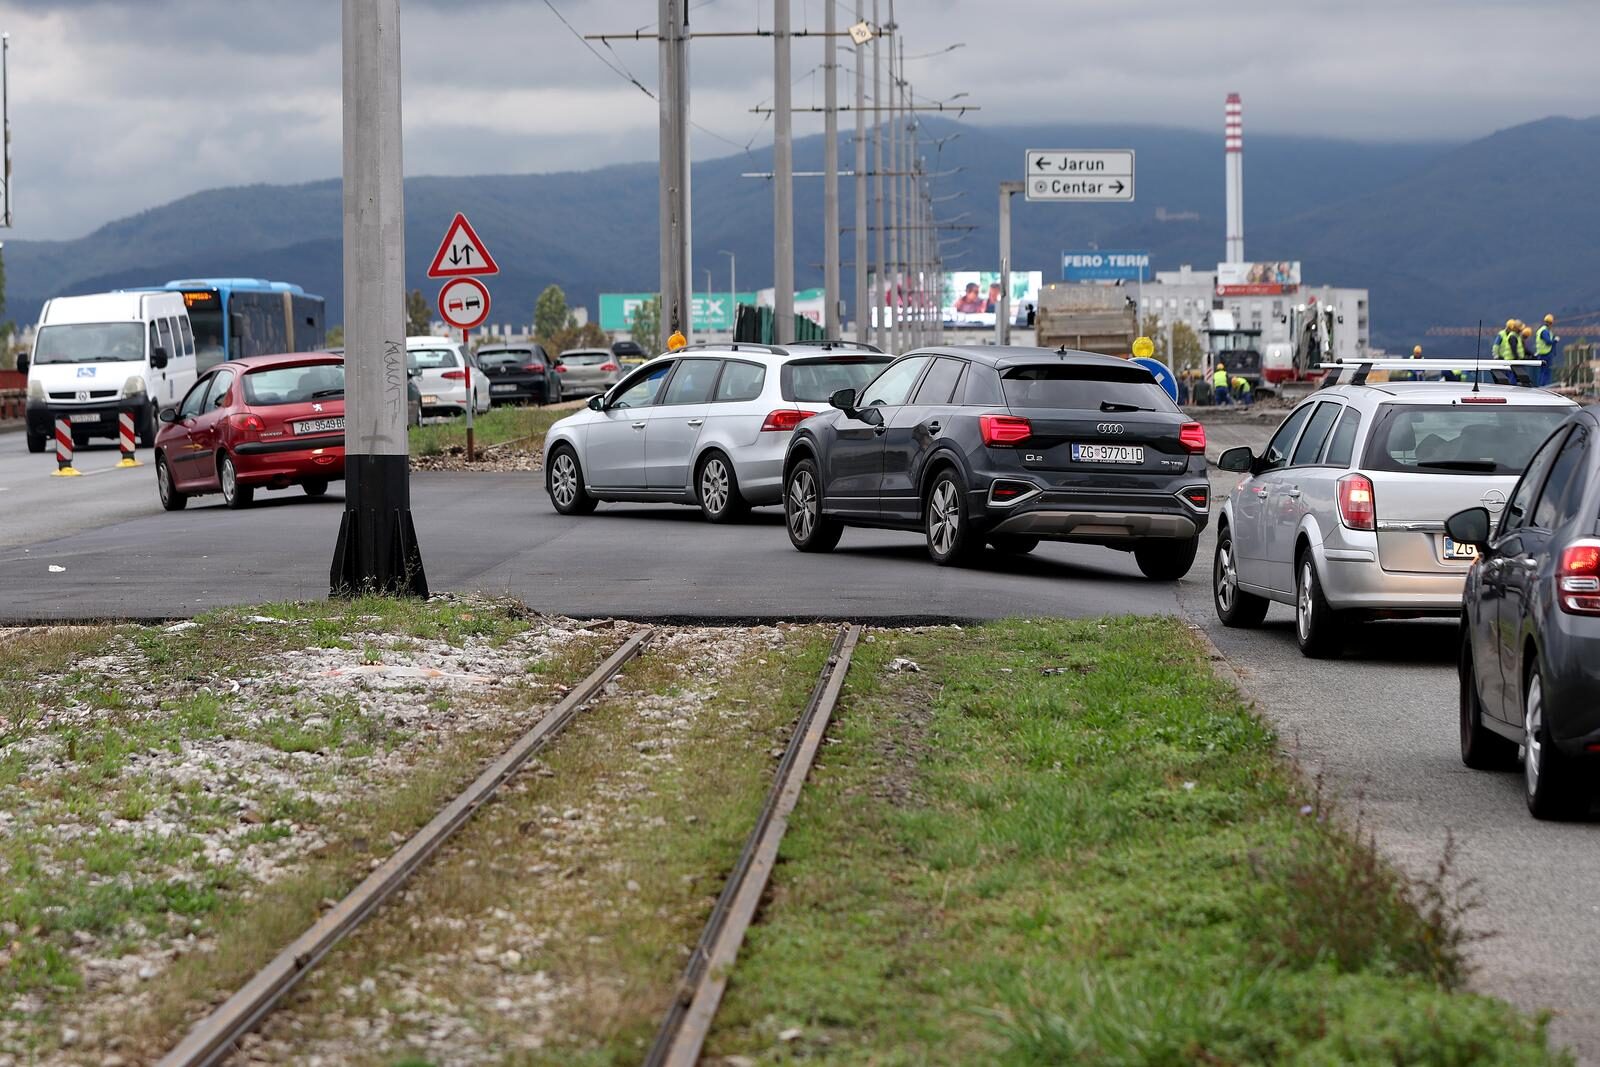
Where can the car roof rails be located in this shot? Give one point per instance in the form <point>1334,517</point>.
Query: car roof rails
<point>836,342</point>
<point>1361,368</point>
<point>728,346</point>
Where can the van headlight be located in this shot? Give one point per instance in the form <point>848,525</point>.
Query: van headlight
<point>36,390</point>
<point>133,386</point>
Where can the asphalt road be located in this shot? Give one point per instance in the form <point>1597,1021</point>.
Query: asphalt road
<point>1379,725</point>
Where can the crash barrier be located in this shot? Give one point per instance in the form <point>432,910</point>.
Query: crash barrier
<point>64,468</point>
<point>125,440</point>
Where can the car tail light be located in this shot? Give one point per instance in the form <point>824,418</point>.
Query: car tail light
<point>1578,580</point>
<point>1192,436</point>
<point>1002,430</point>
<point>609,368</point>
<point>535,368</point>
<point>454,375</point>
<point>1358,508</point>
<point>1483,400</point>
<point>1197,497</point>
<point>561,368</point>
<point>785,419</point>
<point>248,421</point>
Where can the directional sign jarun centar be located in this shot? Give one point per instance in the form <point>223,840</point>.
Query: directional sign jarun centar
<point>1080,174</point>
<point>462,254</point>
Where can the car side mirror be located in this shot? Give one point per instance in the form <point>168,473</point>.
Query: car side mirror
<point>1469,527</point>
<point>158,358</point>
<point>168,415</point>
<point>1240,460</point>
<point>23,362</point>
<point>597,403</point>
<point>871,416</point>
<point>843,399</point>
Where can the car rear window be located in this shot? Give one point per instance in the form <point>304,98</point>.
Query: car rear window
<point>294,385</point>
<point>1084,388</point>
<point>813,381</point>
<point>1465,439</point>
<point>496,359</point>
<point>433,358</point>
<point>585,359</point>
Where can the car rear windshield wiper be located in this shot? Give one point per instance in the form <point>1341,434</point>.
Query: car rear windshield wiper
<point>1484,466</point>
<point>1112,405</point>
<point>320,393</point>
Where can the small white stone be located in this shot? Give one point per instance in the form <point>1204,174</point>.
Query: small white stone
<point>792,1034</point>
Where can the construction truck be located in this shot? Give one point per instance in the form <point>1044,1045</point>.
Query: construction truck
<point>1291,366</point>
<point>1237,347</point>
<point>1088,318</point>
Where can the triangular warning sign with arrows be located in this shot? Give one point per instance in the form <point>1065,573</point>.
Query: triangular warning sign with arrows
<point>462,253</point>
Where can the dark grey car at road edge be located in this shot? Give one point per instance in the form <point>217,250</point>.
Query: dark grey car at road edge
<point>1530,648</point>
<point>520,374</point>
<point>1006,447</point>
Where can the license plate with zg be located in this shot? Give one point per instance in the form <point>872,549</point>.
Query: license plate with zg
<point>319,425</point>
<point>1132,455</point>
<point>1457,550</point>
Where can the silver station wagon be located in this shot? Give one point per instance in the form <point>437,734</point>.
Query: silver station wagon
<point>1343,516</point>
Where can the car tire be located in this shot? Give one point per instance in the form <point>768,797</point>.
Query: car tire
<point>171,499</point>
<point>1236,608</point>
<point>1318,630</point>
<point>563,481</point>
<point>147,424</point>
<point>1481,748</point>
<point>1014,544</point>
<point>35,443</point>
<point>1551,784</point>
<point>315,488</point>
<point>717,489</point>
<point>234,495</point>
<point>944,520</point>
<point>1166,560</point>
<point>809,530</point>
<point>556,399</point>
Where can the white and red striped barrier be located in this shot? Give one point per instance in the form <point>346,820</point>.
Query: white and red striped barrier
<point>64,468</point>
<point>125,440</point>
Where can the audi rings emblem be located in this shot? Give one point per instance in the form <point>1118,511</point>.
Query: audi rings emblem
<point>1110,428</point>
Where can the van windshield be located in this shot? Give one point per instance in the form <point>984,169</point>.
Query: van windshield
<point>90,342</point>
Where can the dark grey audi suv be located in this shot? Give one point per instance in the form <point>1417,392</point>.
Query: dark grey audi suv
<point>1006,447</point>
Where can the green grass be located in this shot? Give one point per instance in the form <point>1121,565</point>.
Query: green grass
<point>1104,865</point>
<point>496,426</point>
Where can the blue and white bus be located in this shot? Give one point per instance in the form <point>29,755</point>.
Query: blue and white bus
<point>238,317</point>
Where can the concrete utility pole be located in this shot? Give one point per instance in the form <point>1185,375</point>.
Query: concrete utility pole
<point>5,129</point>
<point>896,307</point>
<point>673,93</point>
<point>878,275</point>
<point>782,180</point>
<point>733,291</point>
<point>1002,318</point>
<point>863,309</point>
<point>830,164</point>
<point>377,549</point>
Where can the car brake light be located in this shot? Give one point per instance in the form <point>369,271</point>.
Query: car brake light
<point>1002,430</point>
<point>454,375</point>
<point>1192,436</point>
<point>248,421</point>
<point>609,367</point>
<point>1578,580</point>
<point>535,368</point>
<point>785,419</point>
<point>1357,507</point>
<point>1483,400</point>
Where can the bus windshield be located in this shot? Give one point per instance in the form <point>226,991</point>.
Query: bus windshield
<point>205,317</point>
<point>90,342</point>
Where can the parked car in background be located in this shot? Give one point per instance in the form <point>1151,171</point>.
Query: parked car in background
<point>629,353</point>
<point>705,425</point>
<point>266,422</point>
<point>1009,447</point>
<point>442,380</point>
<point>520,374</point>
<point>1530,625</point>
<point>587,371</point>
<point>1343,516</point>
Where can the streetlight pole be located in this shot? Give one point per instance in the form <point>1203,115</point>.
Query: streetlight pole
<point>895,304</point>
<point>830,188</point>
<point>1002,319</point>
<point>377,549</point>
<point>863,320</point>
<point>782,179</point>
<point>878,275</point>
<point>5,129</point>
<point>676,279</point>
<point>733,292</point>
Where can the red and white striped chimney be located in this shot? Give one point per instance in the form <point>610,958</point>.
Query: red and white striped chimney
<point>1233,173</point>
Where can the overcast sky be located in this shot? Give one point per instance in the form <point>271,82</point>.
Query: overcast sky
<point>121,105</point>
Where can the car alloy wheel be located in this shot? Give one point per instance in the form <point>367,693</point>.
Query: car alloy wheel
<point>1304,605</point>
<point>1227,578</point>
<point>714,491</point>
<point>802,505</point>
<point>171,499</point>
<point>1533,742</point>
<point>944,518</point>
<point>1318,628</point>
<point>233,494</point>
<point>564,480</point>
<point>1554,788</point>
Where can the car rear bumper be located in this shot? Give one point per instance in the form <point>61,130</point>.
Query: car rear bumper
<point>1353,579</point>
<point>41,415</point>
<point>282,462</point>
<point>759,468</point>
<point>1092,516</point>
<point>527,390</point>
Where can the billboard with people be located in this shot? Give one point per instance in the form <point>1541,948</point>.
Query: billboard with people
<point>972,297</point>
<point>1269,278</point>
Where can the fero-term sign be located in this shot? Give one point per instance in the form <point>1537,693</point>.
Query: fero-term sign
<point>1080,174</point>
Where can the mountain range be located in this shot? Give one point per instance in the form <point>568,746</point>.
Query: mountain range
<point>1441,233</point>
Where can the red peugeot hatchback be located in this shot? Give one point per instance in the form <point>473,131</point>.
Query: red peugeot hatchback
<point>266,422</point>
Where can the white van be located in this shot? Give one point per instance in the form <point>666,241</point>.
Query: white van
<point>97,356</point>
